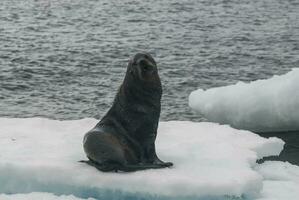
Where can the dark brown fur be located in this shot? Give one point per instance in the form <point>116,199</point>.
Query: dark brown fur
<point>125,137</point>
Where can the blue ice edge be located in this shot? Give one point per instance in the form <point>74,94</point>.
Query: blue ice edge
<point>8,186</point>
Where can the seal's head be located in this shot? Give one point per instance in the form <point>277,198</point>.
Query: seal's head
<point>143,67</point>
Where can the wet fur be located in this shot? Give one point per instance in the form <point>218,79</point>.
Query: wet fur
<point>125,137</point>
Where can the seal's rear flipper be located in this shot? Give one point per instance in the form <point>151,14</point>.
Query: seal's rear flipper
<point>131,168</point>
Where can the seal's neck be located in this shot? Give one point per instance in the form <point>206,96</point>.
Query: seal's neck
<point>141,91</point>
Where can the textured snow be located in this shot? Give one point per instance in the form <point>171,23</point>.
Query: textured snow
<point>281,181</point>
<point>211,161</point>
<point>262,105</point>
<point>38,196</point>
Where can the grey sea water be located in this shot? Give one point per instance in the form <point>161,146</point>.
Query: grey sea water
<point>65,59</point>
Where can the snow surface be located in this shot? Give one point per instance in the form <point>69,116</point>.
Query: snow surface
<point>262,106</point>
<point>281,181</point>
<point>39,196</point>
<point>211,161</point>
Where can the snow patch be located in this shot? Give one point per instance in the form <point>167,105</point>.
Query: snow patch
<point>38,196</point>
<point>211,161</point>
<point>281,180</point>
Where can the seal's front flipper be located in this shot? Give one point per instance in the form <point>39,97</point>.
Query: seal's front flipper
<point>162,163</point>
<point>152,158</point>
<point>166,164</point>
<point>131,168</point>
<point>157,161</point>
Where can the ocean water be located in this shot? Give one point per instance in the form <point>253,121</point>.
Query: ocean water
<point>65,59</point>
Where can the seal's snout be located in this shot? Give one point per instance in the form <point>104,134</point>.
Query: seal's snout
<point>145,62</point>
<point>146,65</point>
<point>143,66</point>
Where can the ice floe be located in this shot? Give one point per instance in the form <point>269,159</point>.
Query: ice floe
<point>39,196</point>
<point>262,105</point>
<point>211,161</point>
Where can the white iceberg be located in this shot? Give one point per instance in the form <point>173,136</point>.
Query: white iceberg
<point>211,161</point>
<point>261,106</point>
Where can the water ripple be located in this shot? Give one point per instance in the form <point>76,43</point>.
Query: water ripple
<point>66,59</point>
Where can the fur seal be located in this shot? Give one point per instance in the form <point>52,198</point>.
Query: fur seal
<point>124,139</point>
